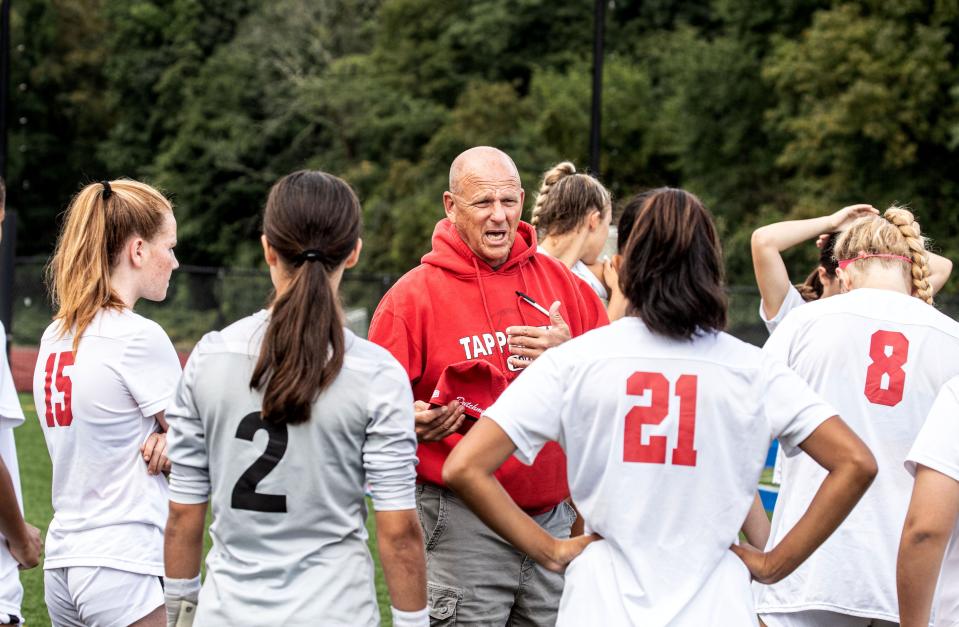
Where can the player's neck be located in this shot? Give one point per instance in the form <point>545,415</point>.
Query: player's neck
<point>124,285</point>
<point>893,282</point>
<point>567,247</point>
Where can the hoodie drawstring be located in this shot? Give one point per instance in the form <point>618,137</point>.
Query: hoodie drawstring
<point>489,317</point>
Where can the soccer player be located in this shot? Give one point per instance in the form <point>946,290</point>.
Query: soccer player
<point>572,215</point>
<point>779,296</point>
<point>665,421</point>
<point>880,354</point>
<point>279,421</point>
<point>20,541</point>
<point>931,530</point>
<point>103,378</point>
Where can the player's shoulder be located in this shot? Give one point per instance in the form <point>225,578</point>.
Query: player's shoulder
<point>368,358</point>
<point>243,336</point>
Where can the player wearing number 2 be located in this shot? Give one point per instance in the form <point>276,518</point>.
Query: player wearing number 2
<point>880,354</point>
<point>665,421</point>
<point>279,421</point>
<point>104,375</point>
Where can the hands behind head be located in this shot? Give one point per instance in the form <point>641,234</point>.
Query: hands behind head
<point>530,342</point>
<point>841,220</point>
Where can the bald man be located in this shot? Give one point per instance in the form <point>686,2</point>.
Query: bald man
<point>461,304</point>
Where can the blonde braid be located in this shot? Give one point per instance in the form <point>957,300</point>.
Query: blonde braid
<point>557,172</point>
<point>906,223</point>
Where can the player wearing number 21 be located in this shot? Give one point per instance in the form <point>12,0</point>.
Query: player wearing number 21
<point>103,378</point>
<point>880,354</point>
<point>665,421</point>
<point>279,421</point>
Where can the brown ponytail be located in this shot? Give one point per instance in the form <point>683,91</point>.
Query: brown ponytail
<point>566,198</point>
<point>312,221</point>
<point>99,221</point>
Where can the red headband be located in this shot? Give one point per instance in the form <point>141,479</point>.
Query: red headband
<point>843,263</point>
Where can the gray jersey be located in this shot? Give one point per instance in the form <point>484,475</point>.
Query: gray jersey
<point>289,539</point>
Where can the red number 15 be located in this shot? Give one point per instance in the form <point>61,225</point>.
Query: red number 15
<point>61,411</point>
<point>654,451</point>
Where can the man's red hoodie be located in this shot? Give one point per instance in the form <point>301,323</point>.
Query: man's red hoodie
<point>455,307</point>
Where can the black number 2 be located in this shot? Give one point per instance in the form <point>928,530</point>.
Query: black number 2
<point>245,495</point>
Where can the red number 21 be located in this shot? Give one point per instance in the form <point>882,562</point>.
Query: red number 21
<point>654,451</point>
<point>61,411</point>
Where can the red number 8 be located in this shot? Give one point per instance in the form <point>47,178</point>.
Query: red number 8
<point>889,365</point>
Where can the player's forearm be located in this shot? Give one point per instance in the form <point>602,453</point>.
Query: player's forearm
<point>617,305</point>
<point>917,570</point>
<point>12,525</point>
<point>939,270</point>
<point>784,235</point>
<point>840,491</point>
<point>485,496</point>
<point>402,555</point>
<point>183,540</point>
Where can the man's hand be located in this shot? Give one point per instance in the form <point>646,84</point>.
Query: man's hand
<point>528,343</point>
<point>434,424</point>
<point>26,549</point>
<point>154,454</point>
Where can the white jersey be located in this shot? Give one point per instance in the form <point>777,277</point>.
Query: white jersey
<point>289,535</point>
<point>11,416</point>
<point>665,441</point>
<point>793,299</point>
<point>937,447</point>
<point>880,357</point>
<point>96,410</point>
<point>581,270</point>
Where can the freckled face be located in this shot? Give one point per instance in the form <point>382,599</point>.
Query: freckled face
<point>486,209</point>
<point>159,261</point>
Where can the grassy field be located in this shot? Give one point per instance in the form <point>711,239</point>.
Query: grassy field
<point>35,481</point>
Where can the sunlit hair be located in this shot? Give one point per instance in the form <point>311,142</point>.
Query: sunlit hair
<point>94,232</point>
<point>812,287</point>
<point>673,266</point>
<point>566,198</point>
<point>895,232</point>
<point>312,221</point>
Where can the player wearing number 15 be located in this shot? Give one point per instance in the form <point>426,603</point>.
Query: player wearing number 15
<point>279,421</point>
<point>879,353</point>
<point>665,421</point>
<point>103,378</point>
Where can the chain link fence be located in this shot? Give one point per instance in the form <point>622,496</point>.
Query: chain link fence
<point>202,299</point>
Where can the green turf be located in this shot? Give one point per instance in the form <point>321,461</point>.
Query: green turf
<point>35,481</point>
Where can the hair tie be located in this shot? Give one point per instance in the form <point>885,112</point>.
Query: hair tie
<point>107,190</point>
<point>310,255</point>
<point>844,263</point>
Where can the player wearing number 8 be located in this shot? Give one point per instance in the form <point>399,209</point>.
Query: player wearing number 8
<point>103,378</point>
<point>665,421</point>
<point>880,354</point>
<point>279,421</point>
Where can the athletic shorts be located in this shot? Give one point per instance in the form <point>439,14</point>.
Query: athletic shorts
<point>821,618</point>
<point>96,596</point>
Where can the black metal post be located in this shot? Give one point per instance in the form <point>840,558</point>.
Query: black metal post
<point>599,31</point>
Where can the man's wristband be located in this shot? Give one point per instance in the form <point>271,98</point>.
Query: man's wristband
<point>419,618</point>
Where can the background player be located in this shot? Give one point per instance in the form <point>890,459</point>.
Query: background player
<point>880,354</point>
<point>779,296</point>
<point>332,411</point>
<point>104,375</point>
<point>572,215</point>
<point>19,542</point>
<point>665,421</point>
<point>932,522</point>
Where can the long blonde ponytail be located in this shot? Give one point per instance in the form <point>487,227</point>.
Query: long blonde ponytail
<point>99,221</point>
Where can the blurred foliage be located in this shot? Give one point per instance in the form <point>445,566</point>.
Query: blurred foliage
<point>765,108</point>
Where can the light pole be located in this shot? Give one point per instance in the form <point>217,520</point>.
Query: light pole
<point>599,30</point>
